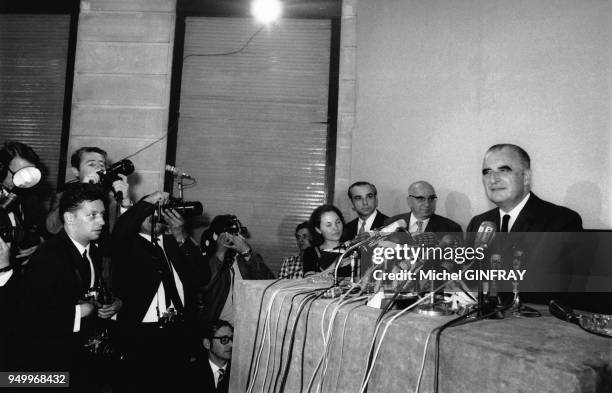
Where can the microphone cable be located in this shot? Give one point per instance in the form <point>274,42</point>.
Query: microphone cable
<point>461,320</point>
<point>402,312</point>
<point>309,295</point>
<point>327,335</point>
<point>348,314</point>
<point>284,371</point>
<point>258,348</point>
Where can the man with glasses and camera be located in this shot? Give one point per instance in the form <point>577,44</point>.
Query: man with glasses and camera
<point>55,312</point>
<point>421,217</point>
<point>88,165</point>
<point>157,269</point>
<point>211,370</point>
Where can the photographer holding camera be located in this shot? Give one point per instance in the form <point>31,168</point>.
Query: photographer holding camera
<point>89,165</point>
<point>230,258</point>
<point>54,315</point>
<point>22,211</point>
<point>156,266</point>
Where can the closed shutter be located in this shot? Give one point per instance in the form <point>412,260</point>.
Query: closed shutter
<point>33,58</point>
<point>253,124</point>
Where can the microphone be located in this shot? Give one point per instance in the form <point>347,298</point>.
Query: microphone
<point>177,172</point>
<point>485,234</point>
<point>392,227</point>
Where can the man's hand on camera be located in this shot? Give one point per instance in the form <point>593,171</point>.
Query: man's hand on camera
<point>108,310</point>
<point>157,197</point>
<point>26,252</point>
<point>92,177</point>
<point>239,243</point>
<point>123,187</point>
<point>87,307</point>
<point>176,224</point>
<point>5,254</point>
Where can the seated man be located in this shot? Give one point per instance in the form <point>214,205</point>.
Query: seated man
<point>211,371</point>
<point>364,197</point>
<point>541,230</point>
<point>292,266</point>
<point>421,217</point>
<point>86,163</point>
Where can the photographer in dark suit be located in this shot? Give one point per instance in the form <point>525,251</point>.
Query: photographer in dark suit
<point>86,164</point>
<point>156,275</point>
<point>54,315</point>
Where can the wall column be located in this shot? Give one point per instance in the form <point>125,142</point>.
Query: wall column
<point>121,90</point>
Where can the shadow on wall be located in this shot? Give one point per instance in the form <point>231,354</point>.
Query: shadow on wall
<point>586,198</point>
<point>458,208</point>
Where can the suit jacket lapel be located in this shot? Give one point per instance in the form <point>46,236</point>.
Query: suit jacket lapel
<point>525,219</point>
<point>76,263</point>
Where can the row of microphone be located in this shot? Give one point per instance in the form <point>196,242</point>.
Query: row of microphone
<point>484,235</point>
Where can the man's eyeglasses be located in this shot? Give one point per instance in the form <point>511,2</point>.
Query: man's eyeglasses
<point>224,339</point>
<point>421,199</point>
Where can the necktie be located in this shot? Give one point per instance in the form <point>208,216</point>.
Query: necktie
<point>419,226</point>
<point>85,271</point>
<point>221,375</point>
<point>168,281</point>
<point>361,228</point>
<point>505,221</point>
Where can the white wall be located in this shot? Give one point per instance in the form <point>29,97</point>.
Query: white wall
<point>438,82</point>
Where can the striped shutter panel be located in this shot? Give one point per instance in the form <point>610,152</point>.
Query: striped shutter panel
<point>253,124</point>
<point>33,58</point>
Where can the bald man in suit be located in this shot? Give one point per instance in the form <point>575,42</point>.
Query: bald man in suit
<point>421,217</point>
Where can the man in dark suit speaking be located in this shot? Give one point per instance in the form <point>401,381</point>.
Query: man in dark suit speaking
<point>364,197</point>
<point>551,254</point>
<point>506,176</point>
<point>422,218</point>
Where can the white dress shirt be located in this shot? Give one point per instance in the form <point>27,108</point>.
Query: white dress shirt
<point>77,314</point>
<point>368,222</point>
<point>215,370</point>
<point>514,212</point>
<point>159,300</point>
<point>414,226</point>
